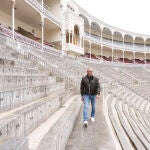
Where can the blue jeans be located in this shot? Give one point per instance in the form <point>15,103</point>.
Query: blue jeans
<point>87,99</point>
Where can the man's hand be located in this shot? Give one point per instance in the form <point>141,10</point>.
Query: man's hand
<point>97,97</point>
<point>82,99</point>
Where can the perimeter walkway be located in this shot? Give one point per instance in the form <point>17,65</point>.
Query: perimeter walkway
<point>96,136</point>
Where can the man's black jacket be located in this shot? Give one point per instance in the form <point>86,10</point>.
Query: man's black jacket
<point>90,85</point>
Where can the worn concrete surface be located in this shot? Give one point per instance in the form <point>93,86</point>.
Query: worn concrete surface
<point>96,136</point>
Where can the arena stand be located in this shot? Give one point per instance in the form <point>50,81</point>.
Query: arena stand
<point>37,83</point>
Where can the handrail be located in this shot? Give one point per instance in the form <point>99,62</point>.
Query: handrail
<point>107,42</point>
<point>7,32</point>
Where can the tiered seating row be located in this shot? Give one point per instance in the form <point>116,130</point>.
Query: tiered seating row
<point>25,119</point>
<point>128,115</point>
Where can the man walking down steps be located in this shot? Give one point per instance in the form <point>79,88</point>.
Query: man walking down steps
<point>90,91</point>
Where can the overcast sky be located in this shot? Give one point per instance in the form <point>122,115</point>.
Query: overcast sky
<point>132,15</point>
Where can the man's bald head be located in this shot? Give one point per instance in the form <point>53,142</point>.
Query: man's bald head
<point>89,71</point>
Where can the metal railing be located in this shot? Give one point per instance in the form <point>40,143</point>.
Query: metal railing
<point>107,42</point>
<point>8,32</point>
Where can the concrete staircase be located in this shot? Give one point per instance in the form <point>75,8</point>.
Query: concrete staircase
<point>35,104</point>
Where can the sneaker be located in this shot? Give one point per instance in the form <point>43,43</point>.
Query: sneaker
<point>85,123</point>
<point>92,119</point>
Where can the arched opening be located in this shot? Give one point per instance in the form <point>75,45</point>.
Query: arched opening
<point>76,35</point>
<point>139,43</point>
<point>117,37</point>
<point>86,23</point>
<point>67,37</point>
<point>107,34</point>
<point>71,37</point>
<point>95,30</point>
<point>128,39</point>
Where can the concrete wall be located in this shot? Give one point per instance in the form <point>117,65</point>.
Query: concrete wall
<point>53,35</point>
<point>106,52</point>
<point>54,6</point>
<point>148,56</point>
<point>128,55</point>
<point>118,54</point>
<point>139,56</point>
<point>96,51</point>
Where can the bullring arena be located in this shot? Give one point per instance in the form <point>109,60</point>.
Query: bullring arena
<point>45,50</point>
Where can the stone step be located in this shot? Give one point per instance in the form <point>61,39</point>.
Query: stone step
<point>17,97</point>
<point>10,83</point>
<point>23,120</point>
<point>14,143</point>
<point>118,129</point>
<point>55,131</point>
